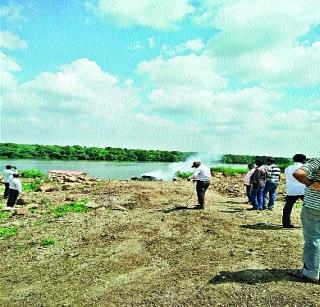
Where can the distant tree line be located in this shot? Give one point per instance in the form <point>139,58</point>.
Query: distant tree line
<point>76,152</point>
<point>245,159</point>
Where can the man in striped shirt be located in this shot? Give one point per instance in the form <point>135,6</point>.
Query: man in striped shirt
<point>271,184</point>
<point>309,174</point>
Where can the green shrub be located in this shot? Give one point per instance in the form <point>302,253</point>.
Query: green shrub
<point>6,232</point>
<point>228,170</point>
<point>48,242</point>
<point>183,175</point>
<point>78,206</point>
<point>31,173</point>
<point>4,215</point>
<point>38,223</point>
<point>31,186</point>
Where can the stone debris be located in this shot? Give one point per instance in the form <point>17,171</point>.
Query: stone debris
<point>21,211</point>
<point>93,205</point>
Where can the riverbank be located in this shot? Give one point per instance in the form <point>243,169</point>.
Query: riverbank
<point>136,244</point>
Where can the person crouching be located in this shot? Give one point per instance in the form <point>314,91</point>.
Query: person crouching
<point>202,175</point>
<point>15,188</point>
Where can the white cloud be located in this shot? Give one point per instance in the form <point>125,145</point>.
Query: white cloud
<point>10,11</point>
<point>258,41</point>
<point>194,71</point>
<point>78,88</point>
<point>194,45</point>
<point>7,68</point>
<point>151,42</point>
<point>161,15</point>
<point>248,26</point>
<point>9,40</point>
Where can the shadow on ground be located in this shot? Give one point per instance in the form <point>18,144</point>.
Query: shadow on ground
<point>233,210</point>
<point>256,276</point>
<point>178,208</point>
<point>262,226</point>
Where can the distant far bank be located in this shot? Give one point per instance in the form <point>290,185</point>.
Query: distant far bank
<point>76,152</point>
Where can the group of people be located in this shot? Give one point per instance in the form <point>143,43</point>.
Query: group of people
<point>261,183</point>
<point>12,185</point>
<point>302,182</point>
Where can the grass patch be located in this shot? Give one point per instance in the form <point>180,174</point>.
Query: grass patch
<point>48,242</point>
<point>31,186</point>
<point>183,175</point>
<point>6,232</point>
<point>78,206</point>
<point>4,215</point>
<point>31,173</point>
<point>39,223</point>
<point>228,170</point>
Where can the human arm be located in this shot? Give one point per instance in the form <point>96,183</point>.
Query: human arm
<point>307,174</point>
<point>302,176</point>
<point>194,175</point>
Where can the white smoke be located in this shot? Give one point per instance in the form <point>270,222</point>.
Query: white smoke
<point>169,173</point>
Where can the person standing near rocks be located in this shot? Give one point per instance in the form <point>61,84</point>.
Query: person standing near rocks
<point>258,180</point>
<point>202,176</point>
<point>273,178</point>
<point>247,180</point>
<point>309,174</point>
<point>15,188</point>
<point>7,176</point>
<point>295,189</point>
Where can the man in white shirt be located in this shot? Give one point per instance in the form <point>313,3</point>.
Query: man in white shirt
<point>295,189</point>
<point>7,176</point>
<point>202,175</point>
<point>15,188</point>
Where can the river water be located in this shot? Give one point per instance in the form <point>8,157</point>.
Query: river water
<point>106,169</point>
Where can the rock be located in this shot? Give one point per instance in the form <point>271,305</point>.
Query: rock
<point>117,207</point>
<point>47,187</point>
<point>70,179</point>
<point>21,211</point>
<point>93,205</point>
<point>69,186</point>
<point>71,198</point>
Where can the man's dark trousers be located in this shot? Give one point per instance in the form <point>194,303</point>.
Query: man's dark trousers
<point>290,201</point>
<point>6,190</point>
<point>201,188</point>
<point>13,195</point>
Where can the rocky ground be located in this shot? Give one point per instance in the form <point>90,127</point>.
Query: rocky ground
<point>141,244</point>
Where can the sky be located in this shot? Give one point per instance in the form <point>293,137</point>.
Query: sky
<point>222,76</point>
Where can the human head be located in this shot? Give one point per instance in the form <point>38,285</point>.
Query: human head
<point>270,160</point>
<point>250,166</point>
<point>259,162</point>
<point>299,158</point>
<point>15,175</point>
<point>196,164</point>
<point>8,166</point>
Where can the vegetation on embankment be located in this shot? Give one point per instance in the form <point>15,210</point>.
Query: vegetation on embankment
<point>76,152</point>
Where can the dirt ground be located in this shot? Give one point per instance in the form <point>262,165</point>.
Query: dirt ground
<point>156,253</point>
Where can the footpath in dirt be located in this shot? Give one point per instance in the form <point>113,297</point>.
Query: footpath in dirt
<point>142,244</point>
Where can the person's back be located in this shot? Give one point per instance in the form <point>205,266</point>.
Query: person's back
<point>204,173</point>
<point>259,176</point>
<point>7,174</point>
<point>274,173</point>
<point>293,186</point>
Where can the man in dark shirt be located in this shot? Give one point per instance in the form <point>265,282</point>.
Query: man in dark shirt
<point>258,180</point>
